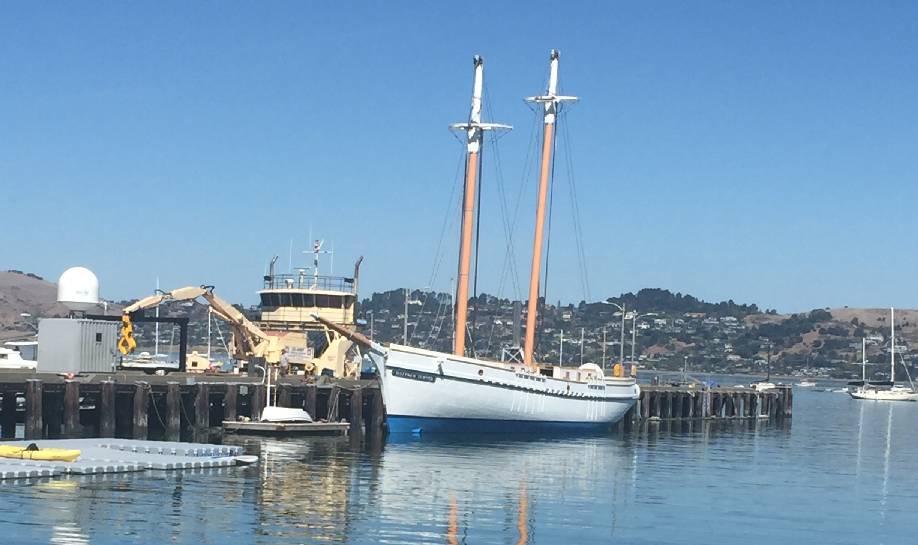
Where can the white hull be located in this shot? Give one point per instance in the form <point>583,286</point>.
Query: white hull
<point>895,394</point>
<point>433,391</point>
<point>273,413</point>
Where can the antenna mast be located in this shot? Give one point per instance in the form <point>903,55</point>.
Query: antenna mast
<point>474,130</point>
<point>550,102</point>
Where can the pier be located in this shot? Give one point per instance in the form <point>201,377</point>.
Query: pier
<point>666,403</point>
<point>172,407</point>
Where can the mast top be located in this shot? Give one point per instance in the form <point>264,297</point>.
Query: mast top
<point>551,98</point>
<point>474,128</point>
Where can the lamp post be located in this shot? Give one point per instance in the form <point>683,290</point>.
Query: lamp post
<point>622,309</point>
<point>634,319</point>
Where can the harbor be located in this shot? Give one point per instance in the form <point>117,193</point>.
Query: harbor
<point>586,273</point>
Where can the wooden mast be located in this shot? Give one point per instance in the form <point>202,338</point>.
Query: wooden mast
<point>474,130</point>
<point>550,103</point>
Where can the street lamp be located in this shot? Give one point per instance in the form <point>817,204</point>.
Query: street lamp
<point>622,309</point>
<point>634,330</point>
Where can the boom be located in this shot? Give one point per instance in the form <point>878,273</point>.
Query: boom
<point>248,340</point>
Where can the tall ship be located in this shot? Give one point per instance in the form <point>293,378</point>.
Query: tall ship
<point>428,391</point>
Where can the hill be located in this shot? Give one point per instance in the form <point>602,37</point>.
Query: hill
<point>26,293</point>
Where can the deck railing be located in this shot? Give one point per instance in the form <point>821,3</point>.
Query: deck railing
<point>309,282</point>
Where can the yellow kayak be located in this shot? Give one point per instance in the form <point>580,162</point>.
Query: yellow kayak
<point>45,454</point>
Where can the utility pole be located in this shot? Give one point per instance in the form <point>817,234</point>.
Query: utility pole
<point>405,321</point>
<point>603,366</point>
<point>561,350</point>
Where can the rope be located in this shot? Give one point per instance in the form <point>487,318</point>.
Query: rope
<point>575,212</point>
<point>156,409</point>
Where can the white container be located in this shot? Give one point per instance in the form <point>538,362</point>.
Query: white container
<point>77,346</point>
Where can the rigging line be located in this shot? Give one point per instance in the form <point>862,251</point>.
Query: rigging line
<point>448,219</point>
<point>575,211</point>
<point>509,265</point>
<point>528,167</point>
<point>477,247</point>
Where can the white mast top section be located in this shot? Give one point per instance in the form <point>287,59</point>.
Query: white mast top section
<point>474,128</point>
<point>551,98</point>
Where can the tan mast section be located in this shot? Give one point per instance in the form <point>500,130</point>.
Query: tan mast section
<point>550,102</point>
<point>473,129</point>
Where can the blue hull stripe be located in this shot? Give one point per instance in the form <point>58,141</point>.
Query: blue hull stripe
<point>414,424</point>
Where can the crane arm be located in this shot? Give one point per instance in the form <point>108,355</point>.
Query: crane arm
<point>248,339</point>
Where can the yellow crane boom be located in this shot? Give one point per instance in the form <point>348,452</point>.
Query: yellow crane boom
<point>248,340</point>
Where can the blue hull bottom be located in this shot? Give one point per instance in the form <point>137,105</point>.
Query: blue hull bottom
<point>420,425</point>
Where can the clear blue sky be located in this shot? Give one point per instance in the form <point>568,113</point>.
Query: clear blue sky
<point>766,153</point>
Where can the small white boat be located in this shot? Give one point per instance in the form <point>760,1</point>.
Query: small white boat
<point>889,391</point>
<point>11,355</point>
<point>763,386</point>
<point>273,413</point>
<point>895,393</point>
<point>806,384</point>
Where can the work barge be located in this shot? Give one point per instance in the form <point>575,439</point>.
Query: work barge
<point>174,408</point>
<point>196,407</point>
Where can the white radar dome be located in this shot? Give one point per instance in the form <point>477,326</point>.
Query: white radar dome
<point>78,289</point>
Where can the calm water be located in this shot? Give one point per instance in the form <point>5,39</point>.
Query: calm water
<point>843,472</point>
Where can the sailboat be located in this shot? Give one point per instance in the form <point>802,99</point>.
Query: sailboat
<point>884,391</point>
<point>428,391</point>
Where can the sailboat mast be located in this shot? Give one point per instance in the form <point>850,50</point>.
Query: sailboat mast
<point>550,103</point>
<point>892,344</point>
<point>474,130</point>
<point>468,209</point>
<point>864,360</point>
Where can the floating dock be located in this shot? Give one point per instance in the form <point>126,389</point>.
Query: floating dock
<point>100,456</point>
<point>287,428</point>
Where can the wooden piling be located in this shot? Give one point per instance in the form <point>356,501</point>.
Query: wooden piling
<point>356,417</point>
<point>52,408</point>
<point>202,412</point>
<point>283,395</point>
<point>8,415</point>
<point>230,402</point>
<point>106,408</point>
<point>173,412</point>
<point>141,402</point>
<point>34,425</point>
<point>333,395</point>
<point>309,403</point>
<point>257,401</point>
<point>377,418</point>
<point>72,427</point>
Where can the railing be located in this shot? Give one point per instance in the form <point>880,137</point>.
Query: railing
<point>309,282</point>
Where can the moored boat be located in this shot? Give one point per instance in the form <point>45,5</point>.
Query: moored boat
<point>428,391</point>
